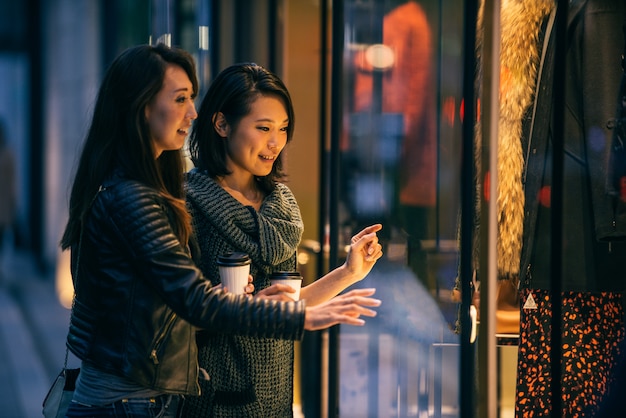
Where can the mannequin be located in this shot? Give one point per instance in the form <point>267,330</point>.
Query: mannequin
<point>594,252</point>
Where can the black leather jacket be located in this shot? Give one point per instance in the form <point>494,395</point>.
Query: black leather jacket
<point>594,220</point>
<point>140,299</point>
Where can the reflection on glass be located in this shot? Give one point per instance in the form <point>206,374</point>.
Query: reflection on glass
<point>405,361</point>
<point>161,12</point>
<point>203,38</point>
<point>165,39</point>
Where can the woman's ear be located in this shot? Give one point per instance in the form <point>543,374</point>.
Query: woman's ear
<point>221,125</point>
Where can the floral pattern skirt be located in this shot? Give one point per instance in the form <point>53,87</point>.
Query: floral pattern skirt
<point>592,329</point>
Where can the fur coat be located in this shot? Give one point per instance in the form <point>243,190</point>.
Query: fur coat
<point>521,22</point>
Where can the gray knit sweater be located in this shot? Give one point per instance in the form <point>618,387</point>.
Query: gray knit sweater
<point>248,377</point>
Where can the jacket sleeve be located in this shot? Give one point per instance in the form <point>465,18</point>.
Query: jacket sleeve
<point>141,221</point>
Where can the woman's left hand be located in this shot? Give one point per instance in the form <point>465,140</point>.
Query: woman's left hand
<point>249,289</point>
<point>364,251</point>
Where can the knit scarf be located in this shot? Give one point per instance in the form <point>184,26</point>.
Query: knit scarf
<point>222,224</point>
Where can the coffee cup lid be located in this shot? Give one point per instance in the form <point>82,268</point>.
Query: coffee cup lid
<point>285,275</point>
<point>233,259</point>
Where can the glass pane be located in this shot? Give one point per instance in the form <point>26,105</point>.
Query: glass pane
<point>400,166</point>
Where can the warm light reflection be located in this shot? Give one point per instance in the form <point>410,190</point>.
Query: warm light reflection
<point>380,56</point>
<point>449,109</point>
<point>303,258</point>
<point>63,280</point>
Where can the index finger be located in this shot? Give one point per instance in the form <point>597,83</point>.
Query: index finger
<point>369,291</point>
<point>365,231</point>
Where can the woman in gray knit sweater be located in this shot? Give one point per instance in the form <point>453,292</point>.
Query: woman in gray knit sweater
<point>238,204</point>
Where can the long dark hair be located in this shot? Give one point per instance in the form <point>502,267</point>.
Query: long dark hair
<point>232,92</point>
<point>119,136</point>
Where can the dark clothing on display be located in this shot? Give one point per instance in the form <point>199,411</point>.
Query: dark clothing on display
<point>140,298</point>
<point>594,250</point>
<point>249,377</point>
<point>594,226</point>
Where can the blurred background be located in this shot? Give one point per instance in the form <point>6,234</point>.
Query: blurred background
<point>377,90</point>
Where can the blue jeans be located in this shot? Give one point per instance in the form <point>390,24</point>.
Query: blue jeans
<point>164,406</point>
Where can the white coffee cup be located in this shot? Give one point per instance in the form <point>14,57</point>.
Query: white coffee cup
<point>291,278</point>
<point>234,271</point>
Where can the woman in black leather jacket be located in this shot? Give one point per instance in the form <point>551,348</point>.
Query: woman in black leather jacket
<point>139,297</point>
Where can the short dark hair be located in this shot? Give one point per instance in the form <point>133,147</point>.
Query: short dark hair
<point>232,93</point>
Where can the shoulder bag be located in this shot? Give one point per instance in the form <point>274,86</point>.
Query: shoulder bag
<point>59,397</point>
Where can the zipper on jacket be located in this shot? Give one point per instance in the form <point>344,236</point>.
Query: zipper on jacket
<point>528,278</point>
<point>157,344</point>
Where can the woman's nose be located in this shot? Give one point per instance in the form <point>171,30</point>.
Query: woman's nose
<point>192,114</point>
<point>273,141</point>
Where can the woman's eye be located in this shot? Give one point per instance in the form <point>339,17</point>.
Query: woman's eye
<point>284,128</point>
<point>264,128</point>
<point>182,99</point>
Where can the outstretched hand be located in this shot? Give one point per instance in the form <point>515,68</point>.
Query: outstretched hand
<point>364,251</point>
<point>342,309</point>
